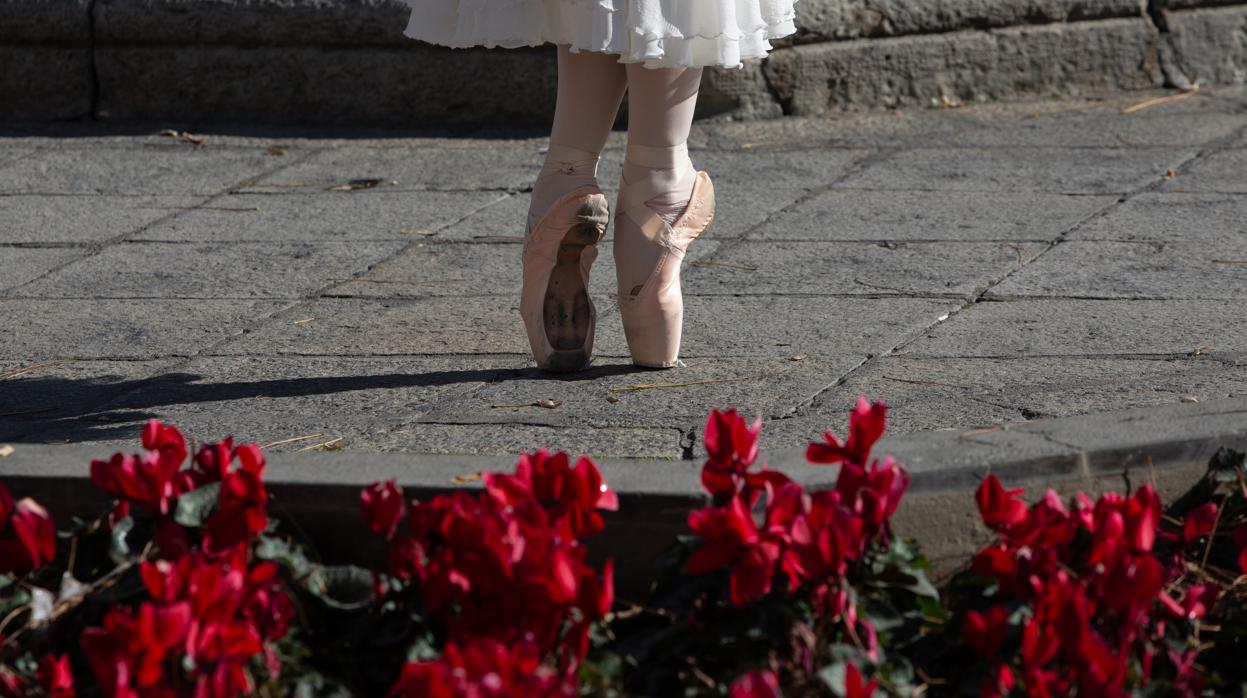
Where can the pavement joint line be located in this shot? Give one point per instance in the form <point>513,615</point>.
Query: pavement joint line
<point>1002,192</point>
<point>1015,297</point>
<point>143,382</point>
<point>865,295</point>
<point>975,298</point>
<point>94,248</point>
<point>881,154</point>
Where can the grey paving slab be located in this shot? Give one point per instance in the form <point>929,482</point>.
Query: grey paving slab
<point>1074,171</point>
<point>737,211</point>
<point>39,330</point>
<point>778,170</point>
<point>927,393</point>
<point>359,326</point>
<point>502,167</point>
<point>765,167</point>
<point>927,215</point>
<point>614,393</point>
<point>19,265</point>
<point>861,130</point>
<point>81,219</point>
<point>917,268</point>
<point>327,216</point>
<point>1225,171</point>
<point>905,417</point>
<point>1090,328</point>
<point>1165,217</point>
<point>218,270</point>
<point>460,269</point>
<point>34,395</point>
<point>784,327</point>
<point>266,399</point>
<point>1131,270</point>
<point>11,154</point>
<point>1159,126</point>
<point>185,170</point>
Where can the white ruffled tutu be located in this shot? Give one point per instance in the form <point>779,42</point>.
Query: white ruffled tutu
<point>657,33</point>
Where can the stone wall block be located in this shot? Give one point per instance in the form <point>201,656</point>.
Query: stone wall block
<point>823,20</point>
<point>44,83</point>
<point>253,22</point>
<point>35,21</point>
<point>1211,44</point>
<point>381,86</point>
<point>740,93</point>
<point>913,70</point>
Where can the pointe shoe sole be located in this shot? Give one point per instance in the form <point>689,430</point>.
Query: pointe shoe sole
<point>568,313</point>
<point>559,317</point>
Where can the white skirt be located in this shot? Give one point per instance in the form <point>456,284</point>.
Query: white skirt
<point>656,33</point>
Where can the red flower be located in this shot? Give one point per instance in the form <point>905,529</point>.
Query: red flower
<point>985,632</point>
<point>150,480</point>
<point>756,684</point>
<point>872,494</point>
<point>241,509</point>
<point>853,685</point>
<point>383,507</point>
<point>570,497</point>
<point>128,651</point>
<point>732,447</point>
<point>166,440</point>
<point>999,508</point>
<point>56,677</point>
<point>866,425</point>
<point>484,668</point>
<point>27,534</point>
<point>1199,600</point>
<point>730,538</point>
<point>11,685</point>
<point>1199,522</point>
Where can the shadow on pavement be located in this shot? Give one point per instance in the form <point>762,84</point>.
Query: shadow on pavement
<point>104,408</point>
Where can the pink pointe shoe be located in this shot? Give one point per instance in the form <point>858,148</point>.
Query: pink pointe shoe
<point>554,303</point>
<point>653,312</point>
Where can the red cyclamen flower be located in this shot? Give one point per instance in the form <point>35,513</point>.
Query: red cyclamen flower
<point>56,677</point>
<point>854,687</point>
<point>999,508</point>
<point>383,507</point>
<point>485,668</point>
<point>866,424</point>
<point>241,509</point>
<point>756,684</point>
<point>731,447</point>
<point>1199,522</point>
<point>731,539</point>
<point>27,534</point>
<point>570,496</point>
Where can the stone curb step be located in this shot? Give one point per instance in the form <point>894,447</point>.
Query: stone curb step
<point>317,493</point>
<point>338,62</point>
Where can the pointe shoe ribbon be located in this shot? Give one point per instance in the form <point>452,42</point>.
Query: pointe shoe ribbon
<point>653,312</point>
<point>559,317</point>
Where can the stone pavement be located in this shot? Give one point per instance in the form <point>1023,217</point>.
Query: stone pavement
<point>973,267</point>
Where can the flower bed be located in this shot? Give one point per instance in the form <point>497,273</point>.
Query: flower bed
<point>188,587</point>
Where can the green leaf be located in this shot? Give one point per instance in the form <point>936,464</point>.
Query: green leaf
<point>345,587</point>
<point>196,506</point>
<point>1226,464</point>
<point>285,553</point>
<point>119,540</point>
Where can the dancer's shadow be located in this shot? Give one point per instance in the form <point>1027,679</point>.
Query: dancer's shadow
<point>38,408</point>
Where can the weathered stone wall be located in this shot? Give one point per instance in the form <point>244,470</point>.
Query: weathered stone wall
<point>346,61</point>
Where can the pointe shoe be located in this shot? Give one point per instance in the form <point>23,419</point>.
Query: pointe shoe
<point>558,314</point>
<point>653,312</point>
